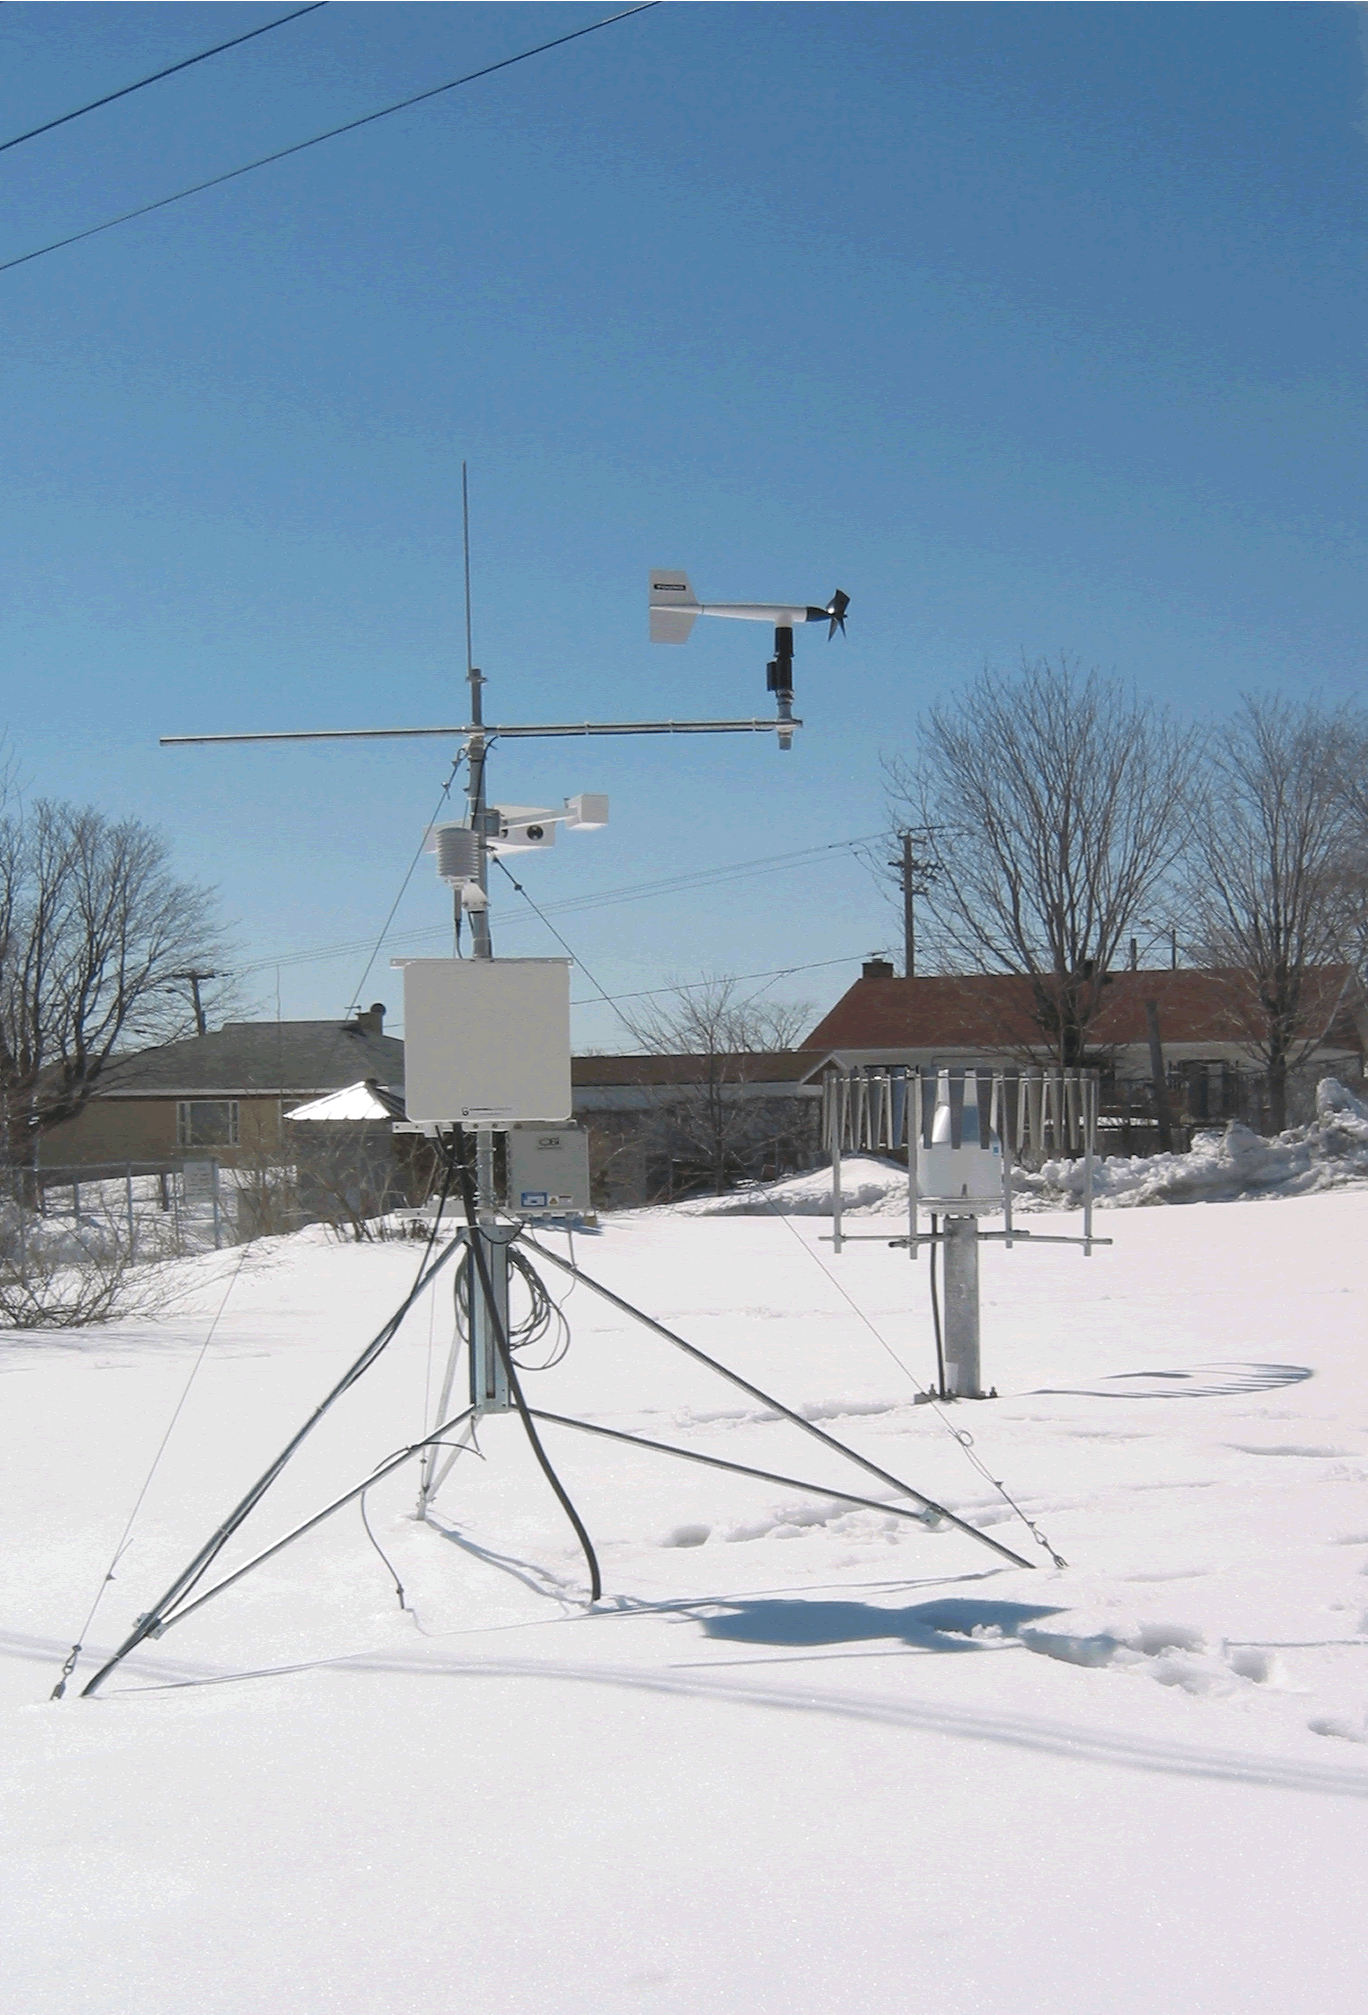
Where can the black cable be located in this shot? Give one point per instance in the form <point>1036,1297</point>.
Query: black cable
<point>186,63</point>
<point>398,1584</point>
<point>511,1371</point>
<point>936,1318</point>
<point>350,126</point>
<point>544,1315</point>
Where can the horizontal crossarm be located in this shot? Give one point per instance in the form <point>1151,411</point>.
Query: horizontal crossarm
<point>534,731</point>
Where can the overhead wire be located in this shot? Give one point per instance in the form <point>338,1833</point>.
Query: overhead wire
<point>600,899</point>
<point>186,63</point>
<point>317,139</point>
<point>698,986</point>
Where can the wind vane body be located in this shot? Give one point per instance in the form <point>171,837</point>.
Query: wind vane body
<point>675,608</point>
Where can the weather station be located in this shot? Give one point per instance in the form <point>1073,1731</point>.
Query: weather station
<point>487,1053</point>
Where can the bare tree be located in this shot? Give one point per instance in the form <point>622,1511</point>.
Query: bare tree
<point>95,932</point>
<point>1276,888</point>
<point>715,1124</point>
<point>1058,799</point>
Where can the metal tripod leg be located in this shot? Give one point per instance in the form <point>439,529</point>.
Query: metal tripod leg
<point>768,1399</point>
<point>736,1468</point>
<point>429,1481</point>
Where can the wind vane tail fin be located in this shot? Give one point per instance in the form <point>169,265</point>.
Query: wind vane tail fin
<point>674,606</point>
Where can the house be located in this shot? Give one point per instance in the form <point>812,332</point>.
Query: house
<point>1206,1021</point>
<point>320,1096</point>
<point>222,1096</point>
<point>668,1126</point>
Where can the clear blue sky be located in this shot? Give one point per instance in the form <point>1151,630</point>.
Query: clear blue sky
<point>1031,327</point>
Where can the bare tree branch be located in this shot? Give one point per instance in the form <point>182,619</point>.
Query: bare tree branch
<point>1062,799</point>
<point>714,1123</point>
<point>94,932</point>
<point>1276,886</point>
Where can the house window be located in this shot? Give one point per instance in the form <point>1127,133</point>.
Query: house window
<point>207,1122</point>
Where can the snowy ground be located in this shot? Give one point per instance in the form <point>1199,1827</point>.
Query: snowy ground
<point>801,1758</point>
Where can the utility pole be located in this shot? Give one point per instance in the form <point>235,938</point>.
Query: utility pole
<point>201,1023</point>
<point>914,878</point>
<point>1159,1077</point>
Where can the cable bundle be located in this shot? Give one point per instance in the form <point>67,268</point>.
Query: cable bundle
<point>543,1319</point>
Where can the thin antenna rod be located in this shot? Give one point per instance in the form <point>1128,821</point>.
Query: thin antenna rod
<point>465,543</point>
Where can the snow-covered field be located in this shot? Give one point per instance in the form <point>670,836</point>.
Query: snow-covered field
<point>801,1758</point>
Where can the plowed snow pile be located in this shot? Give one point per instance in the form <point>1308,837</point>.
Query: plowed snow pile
<point>1330,1152</point>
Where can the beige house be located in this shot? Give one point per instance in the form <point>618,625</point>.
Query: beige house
<point>223,1095</point>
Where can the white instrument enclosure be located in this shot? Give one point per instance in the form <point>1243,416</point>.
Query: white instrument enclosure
<point>548,1170</point>
<point>486,1041</point>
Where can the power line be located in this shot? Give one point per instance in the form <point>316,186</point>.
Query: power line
<point>349,126</point>
<point>696,986</point>
<point>601,899</point>
<point>186,63</point>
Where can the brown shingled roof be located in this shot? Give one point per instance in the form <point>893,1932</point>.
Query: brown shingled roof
<point>992,1011</point>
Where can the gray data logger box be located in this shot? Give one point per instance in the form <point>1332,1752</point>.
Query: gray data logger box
<point>486,1041</point>
<point>548,1170</point>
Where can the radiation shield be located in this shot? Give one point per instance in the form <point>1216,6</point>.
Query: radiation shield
<point>486,1041</point>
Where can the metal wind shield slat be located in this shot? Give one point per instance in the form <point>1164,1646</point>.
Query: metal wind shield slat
<point>1024,1116</point>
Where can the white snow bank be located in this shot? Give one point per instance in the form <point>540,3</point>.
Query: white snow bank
<point>1329,1152</point>
<point>870,1187</point>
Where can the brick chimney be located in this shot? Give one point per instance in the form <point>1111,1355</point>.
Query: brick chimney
<point>371,1020</point>
<point>876,969</point>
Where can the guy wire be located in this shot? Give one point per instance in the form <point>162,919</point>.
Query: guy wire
<point>606,998</point>
<point>172,1604</point>
<point>960,1434</point>
<point>442,796</point>
<point>70,1665</point>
